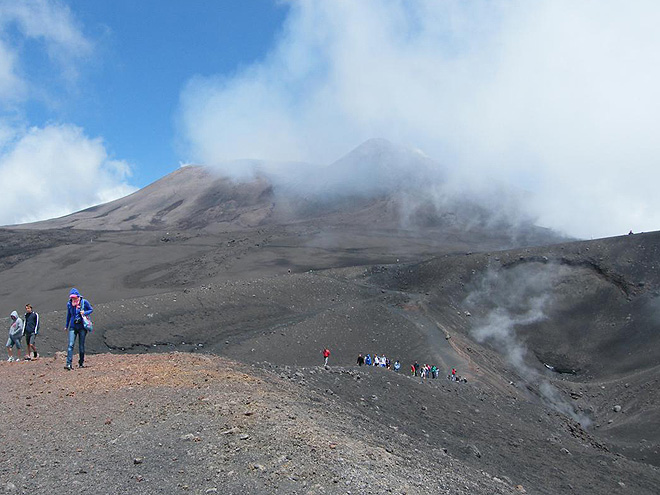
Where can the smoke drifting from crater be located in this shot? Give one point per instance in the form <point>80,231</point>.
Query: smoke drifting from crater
<point>515,299</point>
<point>555,97</point>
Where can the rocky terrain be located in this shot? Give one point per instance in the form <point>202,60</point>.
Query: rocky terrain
<point>164,423</point>
<point>199,424</point>
<point>213,300</point>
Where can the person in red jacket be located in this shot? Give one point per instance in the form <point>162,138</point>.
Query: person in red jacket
<point>326,355</point>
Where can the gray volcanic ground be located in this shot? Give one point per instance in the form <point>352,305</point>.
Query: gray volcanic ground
<point>558,339</point>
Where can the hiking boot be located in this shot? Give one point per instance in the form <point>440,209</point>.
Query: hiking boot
<point>10,359</point>
<point>81,365</point>
<point>27,358</point>
<point>68,367</point>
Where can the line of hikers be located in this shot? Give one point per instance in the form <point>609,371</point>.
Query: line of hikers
<point>424,371</point>
<point>78,324</point>
<point>377,360</point>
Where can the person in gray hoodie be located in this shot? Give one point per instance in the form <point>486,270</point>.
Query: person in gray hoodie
<point>15,336</point>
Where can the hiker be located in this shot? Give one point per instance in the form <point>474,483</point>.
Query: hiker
<point>76,308</point>
<point>15,336</point>
<point>397,365</point>
<point>383,361</point>
<point>416,365</point>
<point>412,369</point>
<point>434,371</point>
<point>360,360</point>
<point>376,360</point>
<point>31,320</point>
<point>453,374</point>
<point>326,355</point>
<point>367,360</point>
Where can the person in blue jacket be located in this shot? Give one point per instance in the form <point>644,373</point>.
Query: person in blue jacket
<point>76,307</point>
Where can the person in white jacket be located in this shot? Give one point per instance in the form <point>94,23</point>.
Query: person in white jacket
<point>15,336</point>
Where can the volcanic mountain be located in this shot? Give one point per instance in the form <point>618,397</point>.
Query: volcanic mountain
<point>556,340</point>
<point>377,185</point>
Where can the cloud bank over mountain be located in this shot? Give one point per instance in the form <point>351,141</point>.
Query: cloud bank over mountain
<point>557,98</point>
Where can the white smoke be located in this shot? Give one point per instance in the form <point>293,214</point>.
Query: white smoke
<point>516,298</point>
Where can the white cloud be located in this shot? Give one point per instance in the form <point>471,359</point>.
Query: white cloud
<point>51,23</point>
<point>10,83</point>
<point>50,170</point>
<point>48,19</point>
<point>558,97</point>
<point>56,170</point>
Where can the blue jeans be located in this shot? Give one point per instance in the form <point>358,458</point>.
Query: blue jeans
<point>81,333</point>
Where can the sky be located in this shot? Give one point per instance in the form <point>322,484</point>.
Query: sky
<point>555,97</point>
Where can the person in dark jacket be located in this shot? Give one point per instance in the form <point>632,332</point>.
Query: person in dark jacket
<point>76,308</point>
<point>360,360</point>
<point>31,322</point>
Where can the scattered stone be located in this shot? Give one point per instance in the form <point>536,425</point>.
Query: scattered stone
<point>138,460</point>
<point>190,438</point>
<point>616,408</point>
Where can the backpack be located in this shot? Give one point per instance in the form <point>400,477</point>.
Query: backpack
<point>87,321</point>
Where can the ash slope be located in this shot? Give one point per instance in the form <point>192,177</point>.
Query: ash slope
<point>502,421</point>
